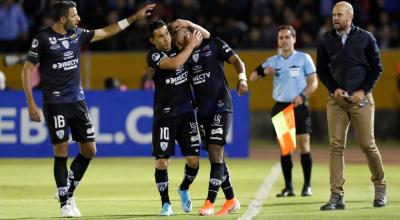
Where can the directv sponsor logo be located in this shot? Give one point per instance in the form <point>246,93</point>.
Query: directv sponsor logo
<point>201,78</point>
<point>67,65</point>
<point>177,80</point>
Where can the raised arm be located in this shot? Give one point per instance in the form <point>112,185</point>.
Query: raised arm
<point>181,23</point>
<point>175,62</point>
<point>34,111</point>
<point>115,28</point>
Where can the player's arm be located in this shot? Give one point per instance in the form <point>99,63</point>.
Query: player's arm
<point>181,23</point>
<point>115,28</point>
<point>176,62</point>
<point>34,111</point>
<point>238,64</point>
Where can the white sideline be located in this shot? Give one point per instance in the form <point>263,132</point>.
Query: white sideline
<point>262,194</point>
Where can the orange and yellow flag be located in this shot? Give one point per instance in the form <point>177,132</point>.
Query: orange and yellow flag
<point>285,128</point>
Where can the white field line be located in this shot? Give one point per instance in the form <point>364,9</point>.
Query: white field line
<point>262,194</point>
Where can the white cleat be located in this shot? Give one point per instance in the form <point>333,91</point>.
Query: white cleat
<point>71,202</point>
<point>66,211</point>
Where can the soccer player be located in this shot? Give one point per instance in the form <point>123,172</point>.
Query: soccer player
<point>174,117</point>
<point>214,104</point>
<point>57,49</point>
<point>295,79</point>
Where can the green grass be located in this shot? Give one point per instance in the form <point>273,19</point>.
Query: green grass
<point>123,188</point>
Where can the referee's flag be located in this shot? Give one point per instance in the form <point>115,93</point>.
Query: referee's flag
<point>285,129</point>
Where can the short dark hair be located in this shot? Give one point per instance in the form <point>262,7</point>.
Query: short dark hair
<point>153,26</point>
<point>287,27</point>
<point>61,9</point>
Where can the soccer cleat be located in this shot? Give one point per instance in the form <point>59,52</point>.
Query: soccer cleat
<point>186,203</point>
<point>66,211</point>
<point>231,205</point>
<point>166,210</point>
<point>207,208</point>
<point>71,202</point>
<point>306,191</point>
<point>286,193</point>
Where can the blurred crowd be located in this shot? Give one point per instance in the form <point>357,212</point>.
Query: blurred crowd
<point>245,24</point>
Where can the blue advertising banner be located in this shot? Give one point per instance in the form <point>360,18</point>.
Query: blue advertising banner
<point>122,122</point>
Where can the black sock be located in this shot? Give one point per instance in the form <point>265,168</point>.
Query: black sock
<point>162,184</point>
<point>188,178</point>
<point>77,169</point>
<point>226,183</point>
<point>217,171</point>
<point>61,175</point>
<point>287,165</point>
<point>306,163</point>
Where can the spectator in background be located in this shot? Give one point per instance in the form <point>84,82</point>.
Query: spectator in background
<point>13,26</point>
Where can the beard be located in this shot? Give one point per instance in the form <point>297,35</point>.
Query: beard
<point>69,26</point>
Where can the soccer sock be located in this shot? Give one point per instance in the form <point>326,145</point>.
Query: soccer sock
<point>61,175</point>
<point>217,171</point>
<point>77,169</point>
<point>306,163</point>
<point>162,184</point>
<point>226,183</point>
<point>188,178</point>
<point>287,165</point>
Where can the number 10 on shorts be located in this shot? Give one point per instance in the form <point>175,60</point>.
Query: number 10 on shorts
<point>164,133</point>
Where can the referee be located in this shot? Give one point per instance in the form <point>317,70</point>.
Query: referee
<point>294,80</point>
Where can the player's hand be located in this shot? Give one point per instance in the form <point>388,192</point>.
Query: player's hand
<point>269,71</point>
<point>340,94</point>
<point>298,101</point>
<point>34,112</point>
<point>195,39</point>
<point>180,23</point>
<point>241,87</point>
<point>144,12</point>
<point>358,96</point>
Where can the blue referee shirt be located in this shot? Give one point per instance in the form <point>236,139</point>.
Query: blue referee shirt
<point>291,75</point>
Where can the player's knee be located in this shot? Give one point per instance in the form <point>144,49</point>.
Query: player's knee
<point>89,153</point>
<point>61,150</point>
<point>162,163</point>
<point>192,162</point>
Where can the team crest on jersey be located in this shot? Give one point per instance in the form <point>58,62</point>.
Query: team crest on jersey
<point>195,57</point>
<point>65,43</point>
<point>52,40</point>
<point>60,134</point>
<point>155,56</point>
<point>35,43</point>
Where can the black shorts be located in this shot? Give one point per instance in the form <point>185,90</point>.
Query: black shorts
<point>301,115</point>
<point>60,117</point>
<point>183,129</point>
<point>215,128</point>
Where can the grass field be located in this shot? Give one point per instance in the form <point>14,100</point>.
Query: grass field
<point>123,188</point>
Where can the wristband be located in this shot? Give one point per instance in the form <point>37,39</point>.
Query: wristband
<point>123,24</point>
<point>242,76</point>
<point>260,71</point>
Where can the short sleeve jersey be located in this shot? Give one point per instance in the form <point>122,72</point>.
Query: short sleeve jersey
<point>208,78</point>
<point>291,75</point>
<point>59,59</point>
<point>172,95</point>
